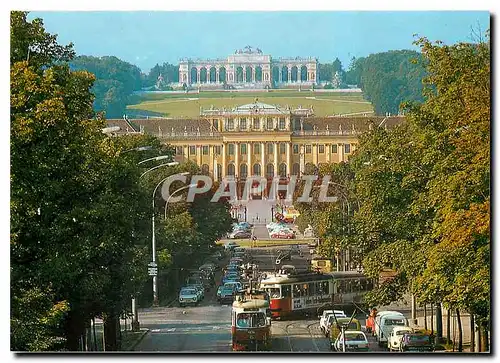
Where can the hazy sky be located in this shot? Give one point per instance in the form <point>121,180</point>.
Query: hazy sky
<point>147,38</point>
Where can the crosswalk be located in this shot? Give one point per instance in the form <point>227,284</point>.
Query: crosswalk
<point>200,328</point>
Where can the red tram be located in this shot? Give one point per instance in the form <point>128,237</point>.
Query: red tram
<point>250,325</point>
<point>310,292</point>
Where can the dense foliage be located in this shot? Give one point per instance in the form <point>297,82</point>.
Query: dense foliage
<point>326,71</point>
<point>388,79</point>
<point>115,82</point>
<point>169,73</point>
<point>421,191</point>
<point>80,211</point>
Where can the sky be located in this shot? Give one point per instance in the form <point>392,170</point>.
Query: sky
<point>145,38</point>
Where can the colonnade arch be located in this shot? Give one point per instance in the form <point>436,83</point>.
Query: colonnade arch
<point>222,75</point>
<point>193,75</point>
<point>239,75</point>
<point>258,74</point>
<point>212,77</point>
<point>275,74</point>
<point>248,74</point>
<point>294,74</point>
<point>303,73</point>
<point>284,74</point>
<point>203,75</point>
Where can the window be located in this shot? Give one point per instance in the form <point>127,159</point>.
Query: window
<point>256,169</point>
<point>270,170</point>
<point>192,150</point>
<point>295,148</point>
<point>204,169</point>
<point>256,148</point>
<point>286,291</point>
<point>282,170</point>
<point>243,149</point>
<point>230,169</point>
<point>347,148</point>
<point>282,123</point>
<point>178,150</point>
<point>308,149</point>
<point>282,148</point>
<point>205,150</point>
<point>230,124</point>
<point>321,149</point>
<point>243,123</point>
<point>230,149</point>
<point>334,149</point>
<point>274,293</point>
<point>243,171</point>
<point>295,169</point>
<point>256,123</point>
<point>217,150</point>
<point>270,148</point>
<point>270,123</point>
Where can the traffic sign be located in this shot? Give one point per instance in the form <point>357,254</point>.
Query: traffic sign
<point>153,271</point>
<point>152,264</point>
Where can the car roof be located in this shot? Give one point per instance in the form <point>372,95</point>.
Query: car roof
<point>388,312</point>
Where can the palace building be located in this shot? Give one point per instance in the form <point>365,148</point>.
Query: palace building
<point>258,139</point>
<point>249,68</point>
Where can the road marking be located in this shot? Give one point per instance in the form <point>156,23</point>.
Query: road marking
<point>171,329</point>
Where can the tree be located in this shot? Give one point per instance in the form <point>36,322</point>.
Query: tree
<point>115,83</point>
<point>77,209</point>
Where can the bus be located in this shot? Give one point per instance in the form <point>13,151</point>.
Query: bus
<point>309,293</point>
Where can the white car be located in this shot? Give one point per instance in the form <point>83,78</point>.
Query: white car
<point>188,296</point>
<point>385,321</point>
<point>355,341</point>
<point>323,320</point>
<point>394,340</point>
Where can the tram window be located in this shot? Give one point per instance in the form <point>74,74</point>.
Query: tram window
<point>274,293</point>
<point>321,263</point>
<point>312,289</point>
<point>325,287</point>
<point>341,287</point>
<point>298,290</point>
<point>286,291</point>
<point>369,285</point>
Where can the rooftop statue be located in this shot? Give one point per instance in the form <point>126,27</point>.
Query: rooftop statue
<point>248,50</point>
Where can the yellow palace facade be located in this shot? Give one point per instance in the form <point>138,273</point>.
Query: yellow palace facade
<point>258,139</point>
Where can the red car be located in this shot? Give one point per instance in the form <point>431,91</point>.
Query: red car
<point>283,234</point>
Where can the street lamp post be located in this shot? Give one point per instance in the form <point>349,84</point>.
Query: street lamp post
<point>176,191</point>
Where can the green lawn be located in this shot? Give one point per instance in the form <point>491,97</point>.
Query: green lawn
<point>188,105</point>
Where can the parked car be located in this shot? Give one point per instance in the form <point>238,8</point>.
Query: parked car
<point>385,321</point>
<point>188,296</point>
<point>236,285</point>
<point>332,330</point>
<point>231,277</point>
<point>416,342</point>
<point>355,341</point>
<point>226,295</point>
<point>283,234</point>
<point>200,288</point>
<point>397,333</point>
<point>240,234</point>
<point>323,319</point>
<point>219,291</point>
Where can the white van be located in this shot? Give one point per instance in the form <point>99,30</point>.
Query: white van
<point>385,321</point>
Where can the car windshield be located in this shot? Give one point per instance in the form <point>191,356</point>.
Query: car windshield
<point>351,337</point>
<point>188,292</point>
<point>397,322</point>
<point>251,320</point>
<point>227,290</point>
<point>419,338</point>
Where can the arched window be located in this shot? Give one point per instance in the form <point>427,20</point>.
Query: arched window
<point>194,75</point>
<point>295,169</point>
<point>219,172</point>
<point>294,74</point>
<point>284,74</point>
<point>203,75</point>
<point>248,74</point>
<point>243,171</point>
<point>222,75</point>
<point>303,73</point>
<point>282,170</point>
<point>230,169</point>
<point>258,74</point>
<point>270,170</point>
<point>204,169</point>
<point>212,75</point>
<point>256,169</point>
